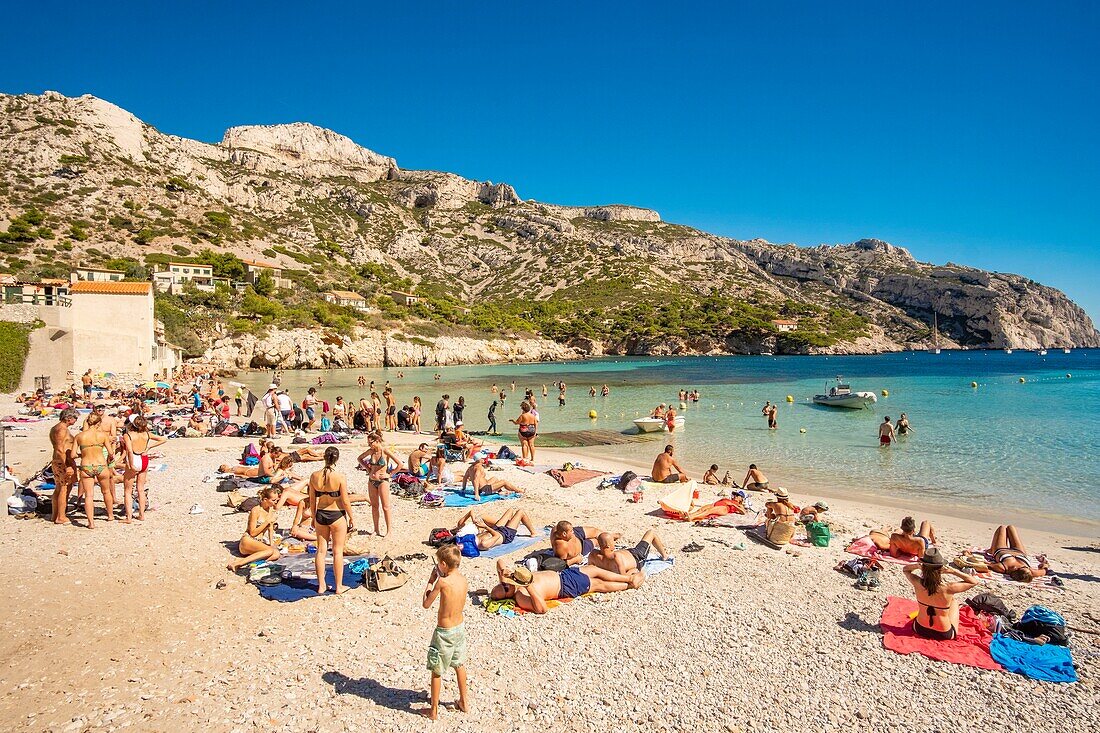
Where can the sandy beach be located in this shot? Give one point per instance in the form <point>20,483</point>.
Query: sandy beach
<point>124,627</point>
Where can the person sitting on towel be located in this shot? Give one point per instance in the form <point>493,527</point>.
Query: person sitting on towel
<point>477,476</point>
<point>1011,558</point>
<point>501,531</point>
<point>573,544</point>
<point>623,561</point>
<point>666,469</point>
<point>905,543</point>
<point>531,590</point>
<point>938,617</point>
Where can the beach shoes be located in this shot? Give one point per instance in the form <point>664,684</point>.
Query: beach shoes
<point>872,580</point>
<point>195,509</point>
<point>693,547</point>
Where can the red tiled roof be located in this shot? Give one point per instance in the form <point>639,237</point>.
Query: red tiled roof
<point>111,288</point>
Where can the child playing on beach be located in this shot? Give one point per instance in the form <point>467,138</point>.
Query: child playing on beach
<point>448,646</point>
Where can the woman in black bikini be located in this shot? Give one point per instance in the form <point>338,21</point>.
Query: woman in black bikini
<point>375,460</point>
<point>938,617</point>
<point>328,502</point>
<point>1010,556</point>
<point>528,429</point>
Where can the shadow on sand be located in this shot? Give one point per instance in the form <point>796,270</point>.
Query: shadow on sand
<point>853,622</point>
<point>393,698</point>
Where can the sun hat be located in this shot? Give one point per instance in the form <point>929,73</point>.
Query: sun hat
<point>272,386</point>
<point>781,493</point>
<point>822,506</point>
<point>520,576</point>
<point>933,556</point>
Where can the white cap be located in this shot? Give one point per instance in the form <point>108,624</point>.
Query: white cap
<point>272,386</point>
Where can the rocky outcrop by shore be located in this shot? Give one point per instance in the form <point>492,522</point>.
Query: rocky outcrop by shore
<point>314,349</point>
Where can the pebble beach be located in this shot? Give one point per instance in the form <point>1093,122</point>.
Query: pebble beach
<point>125,627</point>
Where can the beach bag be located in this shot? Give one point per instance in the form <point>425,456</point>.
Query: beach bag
<point>234,500</point>
<point>440,536</point>
<point>231,430</point>
<point>248,504</point>
<point>544,560</point>
<point>468,544</point>
<point>818,533</point>
<point>505,453</point>
<point>250,456</point>
<point>1040,620</point>
<point>386,575</point>
<point>991,604</point>
<point>780,533</point>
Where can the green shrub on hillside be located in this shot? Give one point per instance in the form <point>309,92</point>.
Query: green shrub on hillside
<point>14,346</point>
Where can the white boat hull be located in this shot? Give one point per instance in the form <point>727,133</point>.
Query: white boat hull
<point>854,401</point>
<point>655,424</point>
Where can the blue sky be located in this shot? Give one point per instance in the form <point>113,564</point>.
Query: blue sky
<point>967,132</point>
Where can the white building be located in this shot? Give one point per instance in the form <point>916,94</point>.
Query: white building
<point>347,299</point>
<point>176,274</point>
<point>253,269</point>
<point>97,274</point>
<point>402,298</point>
<point>784,325</point>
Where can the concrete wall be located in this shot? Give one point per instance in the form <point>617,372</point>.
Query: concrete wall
<point>112,333</point>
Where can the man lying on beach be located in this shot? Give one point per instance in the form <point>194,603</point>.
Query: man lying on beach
<point>906,543</point>
<point>651,547</point>
<point>532,590</point>
<point>501,531</point>
<point>666,469</point>
<point>1011,558</point>
<point>479,477</point>
<point>572,544</point>
<point>261,472</point>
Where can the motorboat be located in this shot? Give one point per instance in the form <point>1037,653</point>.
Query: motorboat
<point>1008,351</point>
<point>1042,352</point>
<point>841,395</point>
<point>1066,350</point>
<point>656,424</point>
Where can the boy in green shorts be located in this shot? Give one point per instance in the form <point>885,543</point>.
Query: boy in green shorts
<point>448,646</point>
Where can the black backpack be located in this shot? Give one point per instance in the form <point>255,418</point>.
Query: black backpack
<point>440,536</point>
<point>991,604</point>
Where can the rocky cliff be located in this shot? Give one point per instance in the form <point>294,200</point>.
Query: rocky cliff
<point>111,188</point>
<point>312,349</point>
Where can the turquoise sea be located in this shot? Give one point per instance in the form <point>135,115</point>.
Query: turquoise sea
<point>1006,444</point>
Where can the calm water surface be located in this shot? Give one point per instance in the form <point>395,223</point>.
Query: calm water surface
<point>1026,445</point>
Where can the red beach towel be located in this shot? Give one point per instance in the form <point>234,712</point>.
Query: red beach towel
<point>865,547</point>
<point>970,647</point>
<point>566,479</point>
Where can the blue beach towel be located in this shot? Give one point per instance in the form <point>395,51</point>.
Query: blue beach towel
<point>458,499</point>
<point>296,588</point>
<point>521,542</point>
<point>1048,662</point>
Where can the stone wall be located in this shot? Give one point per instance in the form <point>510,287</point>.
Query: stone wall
<point>19,312</point>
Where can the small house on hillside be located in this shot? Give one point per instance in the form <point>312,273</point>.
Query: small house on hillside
<point>254,268</point>
<point>347,299</point>
<point>402,298</point>
<point>96,274</point>
<point>785,325</point>
<point>172,278</point>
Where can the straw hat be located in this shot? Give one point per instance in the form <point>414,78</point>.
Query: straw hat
<point>520,576</point>
<point>781,493</point>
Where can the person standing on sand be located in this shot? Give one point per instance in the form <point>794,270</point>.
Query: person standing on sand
<point>97,466</point>
<point>441,413</point>
<point>667,470</point>
<point>136,442</point>
<point>331,509</point>
<point>885,432</point>
<point>62,463</point>
<point>86,381</point>
<point>309,404</point>
<point>448,646</point>
<point>376,460</point>
<point>528,428</point>
<point>418,407</point>
<point>271,406</point>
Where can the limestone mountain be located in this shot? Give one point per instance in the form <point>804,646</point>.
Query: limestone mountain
<point>84,181</point>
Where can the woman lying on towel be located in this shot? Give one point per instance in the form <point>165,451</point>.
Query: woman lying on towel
<point>261,521</point>
<point>938,616</point>
<point>1011,558</point>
